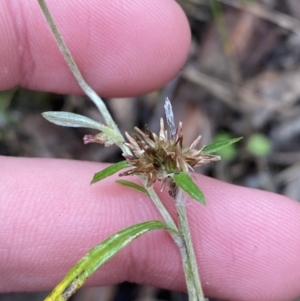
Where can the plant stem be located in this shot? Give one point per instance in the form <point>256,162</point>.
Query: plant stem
<point>160,207</point>
<point>185,232</point>
<point>77,74</point>
<point>189,277</point>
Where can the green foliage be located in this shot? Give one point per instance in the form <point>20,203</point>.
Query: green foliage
<point>5,99</point>
<point>185,182</point>
<point>259,145</point>
<point>218,145</point>
<point>229,152</point>
<point>109,171</point>
<point>133,186</point>
<point>97,256</point>
<point>71,120</point>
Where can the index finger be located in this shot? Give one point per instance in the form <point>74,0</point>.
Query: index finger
<point>122,47</point>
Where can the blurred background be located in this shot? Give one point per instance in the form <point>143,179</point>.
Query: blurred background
<point>242,78</point>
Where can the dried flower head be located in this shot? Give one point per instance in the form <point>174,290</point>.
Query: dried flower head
<point>158,157</point>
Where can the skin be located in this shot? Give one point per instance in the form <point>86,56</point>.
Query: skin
<point>247,241</point>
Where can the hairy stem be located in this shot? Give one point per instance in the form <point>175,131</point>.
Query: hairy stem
<point>185,232</point>
<point>76,72</point>
<point>160,207</point>
<point>189,277</point>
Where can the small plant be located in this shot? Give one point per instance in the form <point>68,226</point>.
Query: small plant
<point>153,157</point>
<point>259,145</point>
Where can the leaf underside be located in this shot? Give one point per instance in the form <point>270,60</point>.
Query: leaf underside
<point>71,120</point>
<point>185,182</point>
<point>97,256</point>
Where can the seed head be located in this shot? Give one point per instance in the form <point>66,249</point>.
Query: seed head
<point>158,157</point>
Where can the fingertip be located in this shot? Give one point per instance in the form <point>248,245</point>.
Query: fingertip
<point>122,48</point>
<point>247,242</point>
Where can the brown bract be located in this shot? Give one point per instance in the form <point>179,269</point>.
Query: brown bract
<point>158,157</point>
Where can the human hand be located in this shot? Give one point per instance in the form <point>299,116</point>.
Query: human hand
<point>246,240</point>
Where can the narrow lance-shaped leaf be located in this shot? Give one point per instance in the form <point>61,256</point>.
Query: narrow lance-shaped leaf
<point>185,182</point>
<point>97,256</point>
<point>211,148</point>
<point>133,186</point>
<point>110,170</point>
<point>72,120</point>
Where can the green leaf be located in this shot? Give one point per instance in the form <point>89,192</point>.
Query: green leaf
<point>97,256</point>
<point>6,98</point>
<point>228,153</point>
<point>185,182</point>
<point>72,120</point>
<point>133,186</point>
<point>211,148</point>
<point>110,170</point>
